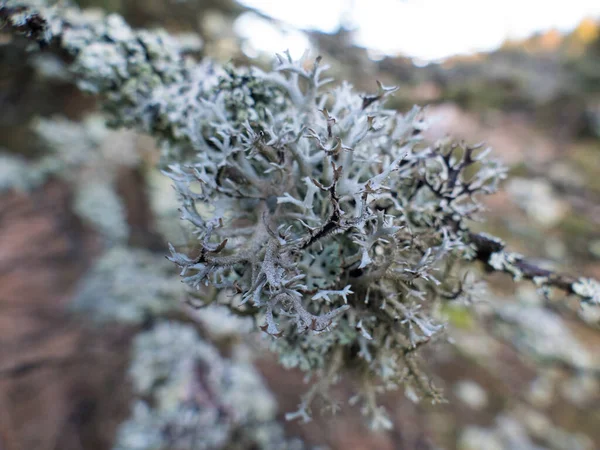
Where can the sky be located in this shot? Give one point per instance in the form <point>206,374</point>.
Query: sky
<point>427,30</point>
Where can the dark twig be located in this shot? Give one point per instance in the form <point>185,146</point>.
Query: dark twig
<point>491,251</point>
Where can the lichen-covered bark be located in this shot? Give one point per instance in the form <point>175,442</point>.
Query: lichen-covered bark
<point>321,212</point>
<point>141,76</point>
<point>491,251</point>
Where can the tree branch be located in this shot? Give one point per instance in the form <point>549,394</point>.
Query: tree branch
<point>141,76</point>
<point>491,251</point>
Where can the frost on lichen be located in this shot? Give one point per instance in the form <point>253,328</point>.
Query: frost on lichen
<point>128,285</point>
<point>189,396</point>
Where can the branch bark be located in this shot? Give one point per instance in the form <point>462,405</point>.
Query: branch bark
<point>146,83</point>
<point>491,251</point>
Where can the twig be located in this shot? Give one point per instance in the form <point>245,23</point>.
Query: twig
<point>491,251</point>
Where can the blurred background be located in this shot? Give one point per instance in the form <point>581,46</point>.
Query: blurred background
<point>85,217</point>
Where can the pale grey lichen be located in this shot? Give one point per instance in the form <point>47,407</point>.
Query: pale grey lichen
<point>588,289</point>
<point>537,199</point>
<point>542,334</point>
<point>505,262</point>
<point>164,205</point>
<point>524,429</point>
<point>70,150</point>
<point>128,67</point>
<point>16,173</point>
<point>83,155</point>
<point>86,155</point>
<point>189,396</point>
<point>330,220</point>
<point>141,75</point>
<point>540,281</point>
<point>20,174</point>
<point>128,285</point>
<point>99,205</point>
<point>327,216</point>
<point>73,142</point>
<point>319,212</point>
<point>471,394</point>
<point>222,325</point>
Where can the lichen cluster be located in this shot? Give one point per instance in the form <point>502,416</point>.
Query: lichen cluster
<point>127,285</point>
<point>316,211</point>
<point>188,396</point>
<point>332,223</point>
<point>83,155</point>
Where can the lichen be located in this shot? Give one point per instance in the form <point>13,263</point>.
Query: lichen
<point>16,174</point>
<point>99,205</point>
<point>326,216</point>
<point>524,429</point>
<point>127,285</point>
<point>318,212</point>
<point>189,396</point>
<point>588,289</point>
<point>541,333</point>
<point>505,262</point>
